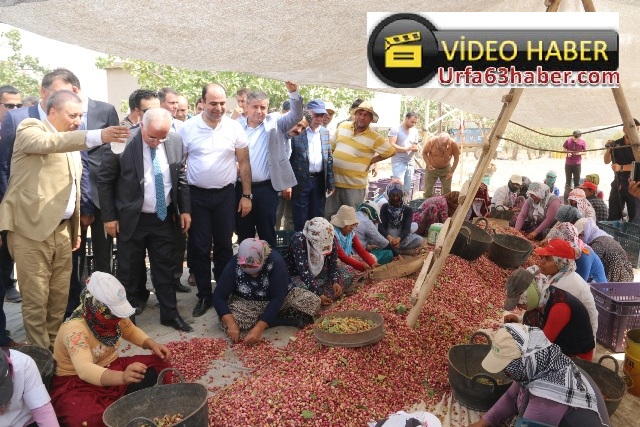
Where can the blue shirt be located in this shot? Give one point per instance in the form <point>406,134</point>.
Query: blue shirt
<point>589,266</point>
<point>258,152</point>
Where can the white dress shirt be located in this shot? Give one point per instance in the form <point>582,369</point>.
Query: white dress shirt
<point>315,150</point>
<point>149,186</point>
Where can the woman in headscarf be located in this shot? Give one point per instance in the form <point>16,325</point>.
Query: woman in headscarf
<point>396,220</point>
<point>563,318</point>
<point>568,213</point>
<point>616,262</point>
<point>254,292</point>
<point>547,386</point>
<point>539,211</point>
<point>89,374</point>
<point>588,265</point>
<point>550,181</point>
<point>481,201</point>
<point>352,255</point>
<point>367,232</point>
<point>578,199</point>
<point>435,210</point>
<point>312,260</point>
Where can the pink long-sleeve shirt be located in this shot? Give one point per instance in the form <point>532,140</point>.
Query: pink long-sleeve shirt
<point>550,216</point>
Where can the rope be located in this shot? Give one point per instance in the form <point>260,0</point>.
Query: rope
<point>562,151</point>
<point>561,136</point>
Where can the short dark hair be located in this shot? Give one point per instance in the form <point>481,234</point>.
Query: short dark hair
<point>60,74</point>
<point>306,114</point>
<point>162,93</point>
<point>206,88</point>
<point>286,105</point>
<point>144,94</point>
<point>242,91</point>
<point>9,89</point>
<point>61,97</point>
<point>132,100</point>
<point>410,114</point>
<point>30,100</point>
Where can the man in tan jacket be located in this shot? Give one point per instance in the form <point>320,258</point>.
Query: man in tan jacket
<point>41,209</point>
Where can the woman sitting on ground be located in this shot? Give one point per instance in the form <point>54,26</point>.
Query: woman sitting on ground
<point>367,232</point>
<point>568,213</point>
<point>578,199</point>
<point>352,254</point>
<point>547,386</point>
<point>616,262</point>
<point>481,201</point>
<point>312,260</point>
<point>254,292</point>
<point>435,210</point>
<point>588,264</point>
<point>538,213</point>
<point>90,375</point>
<point>396,220</point>
<point>595,179</point>
<point>563,318</point>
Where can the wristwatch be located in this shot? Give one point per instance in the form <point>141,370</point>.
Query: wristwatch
<point>248,196</point>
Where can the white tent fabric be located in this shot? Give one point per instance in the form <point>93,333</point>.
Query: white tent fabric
<point>312,42</point>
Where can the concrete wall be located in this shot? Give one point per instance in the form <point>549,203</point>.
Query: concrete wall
<point>120,84</point>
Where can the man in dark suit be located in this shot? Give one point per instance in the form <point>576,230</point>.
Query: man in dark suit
<point>143,193</point>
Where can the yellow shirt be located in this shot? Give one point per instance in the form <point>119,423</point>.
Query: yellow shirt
<point>352,155</point>
<point>78,352</point>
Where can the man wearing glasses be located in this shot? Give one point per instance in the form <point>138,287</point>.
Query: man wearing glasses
<point>10,98</point>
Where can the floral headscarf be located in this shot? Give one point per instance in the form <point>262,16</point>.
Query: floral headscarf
<point>319,234</point>
<point>541,191</point>
<point>369,210</point>
<point>104,325</point>
<point>567,231</point>
<point>546,372</point>
<point>578,196</point>
<point>252,254</point>
<point>452,202</point>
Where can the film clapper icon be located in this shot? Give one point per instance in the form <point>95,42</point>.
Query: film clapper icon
<point>399,54</point>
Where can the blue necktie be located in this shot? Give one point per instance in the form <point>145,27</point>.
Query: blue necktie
<point>161,203</point>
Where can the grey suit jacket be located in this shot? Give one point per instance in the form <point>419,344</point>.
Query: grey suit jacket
<point>121,180</point>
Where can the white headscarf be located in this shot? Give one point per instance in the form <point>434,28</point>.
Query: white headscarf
<point>319,234</point>
<point>543,193</point>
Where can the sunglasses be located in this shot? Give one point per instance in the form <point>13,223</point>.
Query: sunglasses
<point>11,106</point>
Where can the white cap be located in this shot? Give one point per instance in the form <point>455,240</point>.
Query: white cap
<point>516,179</point>
<point>328,105</point>
<point>109,291</point>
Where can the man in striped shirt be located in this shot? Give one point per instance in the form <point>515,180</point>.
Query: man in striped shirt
<point>355,148</point>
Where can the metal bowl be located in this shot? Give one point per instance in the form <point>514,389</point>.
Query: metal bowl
<point>359,339</point>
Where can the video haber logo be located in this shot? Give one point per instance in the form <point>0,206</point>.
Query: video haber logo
<point>408,50</point>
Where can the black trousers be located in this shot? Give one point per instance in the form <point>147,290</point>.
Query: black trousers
<point>6,267</point>
<point>158,239</point>
<point>262,218</point>
<point>619,197</point>
<point>212,217</point>
<point>572,172</point>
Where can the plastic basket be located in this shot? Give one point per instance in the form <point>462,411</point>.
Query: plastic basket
<point>632,248</point>
<point>415,204</point>
<point>283,238</point>
<point>610,226</point>
<point>618,306</point>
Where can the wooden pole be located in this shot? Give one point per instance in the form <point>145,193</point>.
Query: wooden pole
<point>588,6</point>
<point>553,7</point>
<point>462,155</point>
<point>440,116</point>
<point>509,104</point>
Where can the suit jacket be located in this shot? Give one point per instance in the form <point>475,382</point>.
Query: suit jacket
<point>121,180</point>
<point>42,170</point>
<point>99,116</point>
<point>300,157</point>
<point>277,126</point>
<point>7,138</point>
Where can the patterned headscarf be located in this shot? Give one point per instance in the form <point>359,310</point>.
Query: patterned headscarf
<point>369,210</point>
<point>319,234</point>
<point>104,325</point>
<point>396,212</point>
<point>568,213</point>
<point>578,196</point>
<point>481,201</point>
<point>452,202</point>
<point>541,191</point>
<point>252,254</point>
<point>546,372</point>
<point>594,177</point>
<point>567,231</point>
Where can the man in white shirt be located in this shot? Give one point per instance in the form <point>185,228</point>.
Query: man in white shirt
<point>213,143</point>
<point>404,138</point>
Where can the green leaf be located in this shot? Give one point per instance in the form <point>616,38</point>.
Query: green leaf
<point>306,414</point>
<point>344,361</point>
<point>334,383</point>
<point>379,296</point>
<point>401,308</point>
<point>288,359</point>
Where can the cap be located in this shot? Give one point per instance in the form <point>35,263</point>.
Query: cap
<point>6,379</point>
<point>557,247</point>
<point>504,350</point>
<point>329,106</point>
<point>577,133</point>
<point>316,106</point>
<point>516,284</point>
<point>516,179</point>
<point>589,185</point>
<point>109,291</point>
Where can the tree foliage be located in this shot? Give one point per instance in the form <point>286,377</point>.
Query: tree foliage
<point>22,71</point>
<point>190,82</point>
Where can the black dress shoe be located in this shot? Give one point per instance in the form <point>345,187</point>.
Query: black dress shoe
<point>177,323</point>
<point>140,307</point>
<point>201,307</point>
<point>182,288</point>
